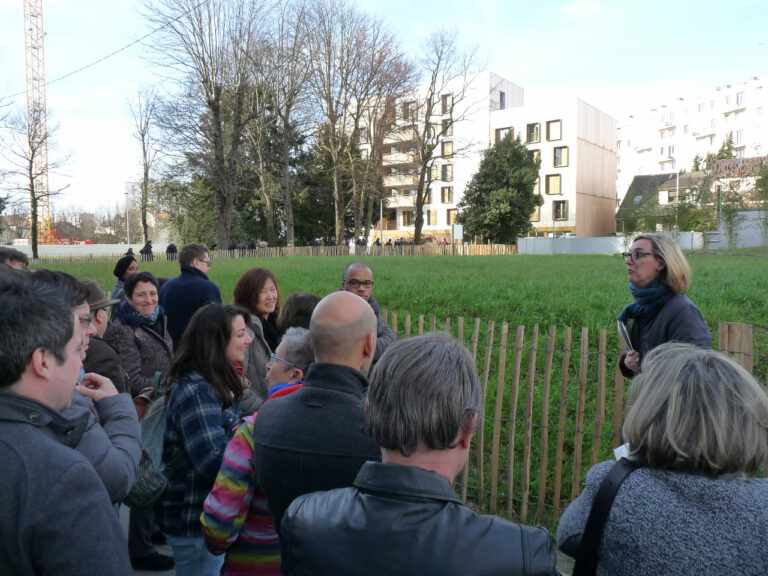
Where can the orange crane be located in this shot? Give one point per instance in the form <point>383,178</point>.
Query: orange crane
<point>37,115</point>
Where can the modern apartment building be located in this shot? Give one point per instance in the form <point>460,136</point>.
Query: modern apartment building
<point>667,137</point>
<point>575,141</point>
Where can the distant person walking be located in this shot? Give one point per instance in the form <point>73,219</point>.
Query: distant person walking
<point>146,251</point>
<point>661,312</point>
<point>171,252</point>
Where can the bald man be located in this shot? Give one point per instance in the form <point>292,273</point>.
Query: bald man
<point>358,279</point>
<point>315,438</point>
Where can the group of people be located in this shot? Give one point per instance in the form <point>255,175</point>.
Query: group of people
<point>302,437</point>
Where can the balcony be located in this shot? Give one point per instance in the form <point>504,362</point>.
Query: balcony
<point>400,180</point>
<point>401,201</point>
<point>403,135</point>
<point>399,158</point>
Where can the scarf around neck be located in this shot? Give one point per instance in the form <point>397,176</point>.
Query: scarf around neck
<point>647,300</point>
<point>133,318</point>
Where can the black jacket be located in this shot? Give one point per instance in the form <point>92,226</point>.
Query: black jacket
<point>400,520</point>
<point>678,320</point>
<point>313,439</point>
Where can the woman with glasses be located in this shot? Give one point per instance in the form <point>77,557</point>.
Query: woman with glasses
<point>236,518</point>
<point>658,275</point>
<point>256,291</point>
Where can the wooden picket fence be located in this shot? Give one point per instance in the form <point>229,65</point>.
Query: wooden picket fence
<point>553,407</point>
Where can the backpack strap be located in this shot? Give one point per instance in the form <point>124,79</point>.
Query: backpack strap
<point>586,561</point>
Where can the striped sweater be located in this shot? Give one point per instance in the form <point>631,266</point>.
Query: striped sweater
<point>236,517</point>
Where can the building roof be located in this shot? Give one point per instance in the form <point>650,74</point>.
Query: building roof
<point>641,187</point>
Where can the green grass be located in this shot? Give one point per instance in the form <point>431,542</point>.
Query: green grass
<point>560,290</point>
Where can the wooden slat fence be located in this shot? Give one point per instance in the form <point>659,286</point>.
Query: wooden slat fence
<point>544,437</point>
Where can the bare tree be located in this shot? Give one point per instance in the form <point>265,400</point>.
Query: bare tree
<point>26,143</point>
<point>286,70</point>
<point>383,75</point>
<point>143,112</point>
<point>446,69</point>
<point>210,44</point>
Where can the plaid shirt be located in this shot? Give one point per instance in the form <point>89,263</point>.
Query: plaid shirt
<point>198,424</point>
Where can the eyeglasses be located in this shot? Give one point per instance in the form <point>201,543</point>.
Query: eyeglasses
<point>206,262</point>
<point>355,283</point>
<point>635,256</point>
<point>86,320</point>
<point>273,357</point>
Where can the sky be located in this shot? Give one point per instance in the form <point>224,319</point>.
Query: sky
<point>619,55</point>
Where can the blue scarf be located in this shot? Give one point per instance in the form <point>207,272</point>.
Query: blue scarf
<point>647,301</point>
<point>129,316</point>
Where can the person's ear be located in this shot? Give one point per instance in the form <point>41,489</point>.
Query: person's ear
<point>369,345</point>
<point>40,362</point>
<point>467,431</point>
<point>297,375</point>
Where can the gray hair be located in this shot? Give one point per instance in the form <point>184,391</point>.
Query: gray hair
<point>697,411</point>
<point>423,391</point>
<point>38,312</point>
<point>297,348</point>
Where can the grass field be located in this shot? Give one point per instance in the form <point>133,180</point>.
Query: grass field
<point>563,290</point>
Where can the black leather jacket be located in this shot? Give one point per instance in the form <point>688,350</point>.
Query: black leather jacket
<point>401,520</point>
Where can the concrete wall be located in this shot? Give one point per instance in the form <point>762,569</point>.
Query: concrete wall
<point>604,245</point>
<point>750,229</point>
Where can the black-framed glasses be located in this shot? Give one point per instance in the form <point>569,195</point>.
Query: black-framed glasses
<point>355,283</point>
<point>273,357</point>
<point>636,255</point>
<point>86,320</point>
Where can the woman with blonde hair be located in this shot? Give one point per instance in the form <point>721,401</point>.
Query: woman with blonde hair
<point>697,426</point>
<point>658,275</point>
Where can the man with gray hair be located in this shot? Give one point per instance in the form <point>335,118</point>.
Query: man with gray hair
<point>314,439</point>
<point>402,516</point>
<point>57,517</point>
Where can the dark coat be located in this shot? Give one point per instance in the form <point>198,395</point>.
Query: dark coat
<point>314,439</point>
<point>678,320</point>
<point>184,295</point>
<point>403,520</point>
<point>143,352</point>
<point>57,517</point>
<point>102,359</point>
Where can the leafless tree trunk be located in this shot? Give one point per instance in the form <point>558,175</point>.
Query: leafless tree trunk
<point>143,112</point>
<point>447,70</point>
<point>25,141</point>
<point>211,44</point>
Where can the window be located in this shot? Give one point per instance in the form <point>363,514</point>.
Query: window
<point>408,110</point>
<point>560,209</point>
<point>393,170</point>
<point>431,217</point>
<point>409,218</point>
<point>450,216</point>
<point>447,149</point>
<point>427,198</point>
<point>536,187</point>
<point>447,126</point>
<point>554,130</point>
<point>671,150</point>
<point>561,156</point>
<point>446,194</point>
<point>446,172</point>
<point>553,184</point>
<point>364,153</point>
<point>502,100</point>
<point>445,103</point>
<point>393,192</point>
<point>739,137</point>
<point>532,133</point>
<point>536,216</point>
<point>433,172</point>
<point>501,133</point>
<point>535,155</point>
<point>701,107</point>
<point>362,135</point>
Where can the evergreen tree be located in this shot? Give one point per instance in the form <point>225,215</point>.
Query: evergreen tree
<point>499,200</point>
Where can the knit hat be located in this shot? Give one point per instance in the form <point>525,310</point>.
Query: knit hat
<point>97,299</point>
<point>122,265</point>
